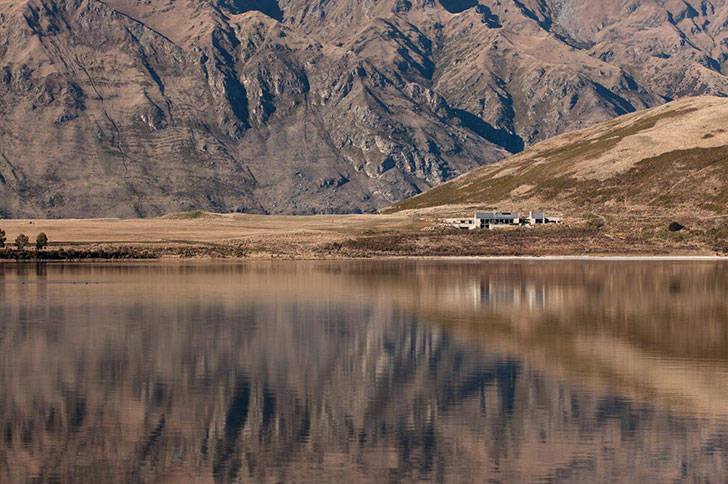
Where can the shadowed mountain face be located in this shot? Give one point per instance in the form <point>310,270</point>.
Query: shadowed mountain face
<point>130,108</point>
<point>268,7</point>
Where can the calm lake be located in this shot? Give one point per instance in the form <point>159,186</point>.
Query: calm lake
<point>513,371</point>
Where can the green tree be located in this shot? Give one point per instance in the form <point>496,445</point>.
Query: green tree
<point>2,238</point>
<point>21,241</point>
<point>41,242</point>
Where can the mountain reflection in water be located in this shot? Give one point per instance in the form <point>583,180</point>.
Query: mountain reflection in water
<point>325,371</point>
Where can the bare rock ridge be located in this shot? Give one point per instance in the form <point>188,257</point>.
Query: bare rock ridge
<point>137,108</point>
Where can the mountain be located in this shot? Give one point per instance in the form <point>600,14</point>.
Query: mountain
<point>137,108</point>
<point>669,159</point>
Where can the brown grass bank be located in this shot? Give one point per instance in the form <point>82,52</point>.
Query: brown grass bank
<point>412,233</point>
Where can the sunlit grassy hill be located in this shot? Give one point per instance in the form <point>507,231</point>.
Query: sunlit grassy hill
<point>671,159</point>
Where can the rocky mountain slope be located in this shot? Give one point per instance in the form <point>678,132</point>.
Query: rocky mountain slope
<point>136,108</point>
<point>672,158</point>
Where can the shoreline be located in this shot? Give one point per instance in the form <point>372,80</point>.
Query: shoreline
<point>375,258</point>
<point>616,257</point>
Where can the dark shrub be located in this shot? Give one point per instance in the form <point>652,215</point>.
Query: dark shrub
<point>675,227</point>
<point>41,242</point>
<point>21,241</point>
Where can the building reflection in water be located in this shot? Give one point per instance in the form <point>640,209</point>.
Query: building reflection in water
<point>497,295</point>
<point>365,371</point>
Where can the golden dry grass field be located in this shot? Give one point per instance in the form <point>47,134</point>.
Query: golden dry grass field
<point>262,235</point>
<point>407,233</point>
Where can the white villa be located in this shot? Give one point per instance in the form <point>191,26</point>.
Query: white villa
<point>493,219</point>
<point>489,220</point>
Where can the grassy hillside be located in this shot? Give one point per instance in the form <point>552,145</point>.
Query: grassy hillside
<point>668,160</point>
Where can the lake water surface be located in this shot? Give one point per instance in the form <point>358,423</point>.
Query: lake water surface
<point>512,371</point>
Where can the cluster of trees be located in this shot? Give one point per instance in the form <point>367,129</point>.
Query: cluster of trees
<point>22,240</point>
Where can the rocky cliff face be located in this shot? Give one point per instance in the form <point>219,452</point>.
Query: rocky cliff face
<point>131,108</point>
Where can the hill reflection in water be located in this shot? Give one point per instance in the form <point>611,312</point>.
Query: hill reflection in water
<point>515,371</point>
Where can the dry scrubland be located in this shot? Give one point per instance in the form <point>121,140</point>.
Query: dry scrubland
<point>410,233</point>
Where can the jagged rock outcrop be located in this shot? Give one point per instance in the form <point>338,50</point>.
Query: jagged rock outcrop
<point>130,108</point>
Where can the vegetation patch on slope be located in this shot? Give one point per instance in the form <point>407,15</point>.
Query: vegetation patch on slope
<point>560,173</point>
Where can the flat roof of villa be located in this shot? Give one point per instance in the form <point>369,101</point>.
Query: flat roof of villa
<point>492,215</point>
